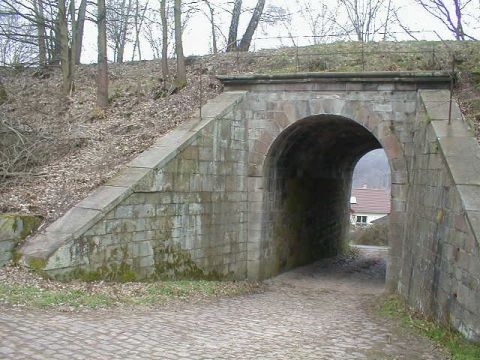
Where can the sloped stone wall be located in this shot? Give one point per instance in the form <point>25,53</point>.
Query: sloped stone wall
<point>177,210</point>
<point>440,273</point>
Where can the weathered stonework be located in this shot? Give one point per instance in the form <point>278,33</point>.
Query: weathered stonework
<point>261,184</point>
<point>440,274</point>
<point>14,228</point>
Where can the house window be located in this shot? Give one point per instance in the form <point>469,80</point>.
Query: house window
<point>361,220</point>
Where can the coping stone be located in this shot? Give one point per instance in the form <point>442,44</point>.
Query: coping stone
<point>470,195</point>
<point>129,176</point>
<point>459,146</point>
<point>105,198</point>
<point>75,222</point>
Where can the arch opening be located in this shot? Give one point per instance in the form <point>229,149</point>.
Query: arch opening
<point>308,172</point>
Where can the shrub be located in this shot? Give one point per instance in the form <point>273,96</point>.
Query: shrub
<point>374,234</point>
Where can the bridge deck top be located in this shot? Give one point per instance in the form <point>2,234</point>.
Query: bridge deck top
<point>440,79</point>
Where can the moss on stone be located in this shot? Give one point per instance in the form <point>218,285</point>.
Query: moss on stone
<point>172,262</point>
<point>37,265</point>
<point>16,255</point>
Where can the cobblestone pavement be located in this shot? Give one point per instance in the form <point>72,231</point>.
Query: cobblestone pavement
<point>322,311</point>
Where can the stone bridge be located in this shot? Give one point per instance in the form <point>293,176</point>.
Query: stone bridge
<point>259,181</point>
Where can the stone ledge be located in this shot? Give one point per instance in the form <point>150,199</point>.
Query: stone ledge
<point>460,151</point>
<point>436,77</point>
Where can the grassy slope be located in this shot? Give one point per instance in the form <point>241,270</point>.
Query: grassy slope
<point>450,339</point>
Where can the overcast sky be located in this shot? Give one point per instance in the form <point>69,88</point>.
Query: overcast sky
<point>197,37</point>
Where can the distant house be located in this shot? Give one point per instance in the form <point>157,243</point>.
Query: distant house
<point>367,205</point>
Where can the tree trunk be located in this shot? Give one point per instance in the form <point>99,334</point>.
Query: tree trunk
<point>41,33</point>
<point>102,75</point>
<point>56,48</point>
<point>73,49</point>
<point>233,31</point>
<point>252,26</point>
<point>67,80</point>
<point>80,25</point>
<point>123,33</point>
<point>212,25</point>
<point>181,70</point>
<point>139,17</point>
<point>163,15</point>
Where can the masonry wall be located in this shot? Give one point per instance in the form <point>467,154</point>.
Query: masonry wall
<point>384,111</point>
<point>14,228</point>
<point>441,265</point>
<point>233,193</point>
<point>185,217</point>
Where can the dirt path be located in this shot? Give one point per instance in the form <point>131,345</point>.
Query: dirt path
<point>322,311</point>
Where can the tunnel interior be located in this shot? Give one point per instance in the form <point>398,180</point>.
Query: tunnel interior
<point>308,174</point>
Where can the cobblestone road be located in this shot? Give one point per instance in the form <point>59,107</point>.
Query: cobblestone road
<point>322,311</point>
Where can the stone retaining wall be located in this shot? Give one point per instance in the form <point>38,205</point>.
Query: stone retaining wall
<point>14,228</point>
<point>177,210</point>
<point>441,263</point>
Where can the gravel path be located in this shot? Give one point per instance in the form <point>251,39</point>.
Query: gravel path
<point>321,311</point>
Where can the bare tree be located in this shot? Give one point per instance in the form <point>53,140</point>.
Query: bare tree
<point>320,19</point>
<point>26,22</point>
<point>233,31</point>
<point>67,76</point>
<point>252,26</point>
<point>181,78</point>
<point>366,17</point>
<point>102,75</point>
<point>119,23</point>
<point>138,21</point>
<point>79,30</point>
<point>41,33</point>
<point>163,15</point>
<point>247,37</point>
<point>450,13</point>
<point>213,26</point>
<point>17,46</point>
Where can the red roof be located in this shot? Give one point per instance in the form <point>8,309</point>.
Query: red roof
<point>373,201</point>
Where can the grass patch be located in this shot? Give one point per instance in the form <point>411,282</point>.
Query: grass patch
<point>119,294</point>
<point>38,297</point>
<point>459,347</point>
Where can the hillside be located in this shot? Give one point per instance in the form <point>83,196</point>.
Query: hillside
<point>54,150</point>
<point>372,171</point>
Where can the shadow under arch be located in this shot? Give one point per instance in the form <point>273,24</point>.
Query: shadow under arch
<point>308,173</point>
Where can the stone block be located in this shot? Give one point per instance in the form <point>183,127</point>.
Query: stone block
<point>459,146</point>
<point>129,177</point>
<point>470,195</point>
<point>455,129</point>
<point>465,169</point>
<point>75,221</point>
<point>105,198</point>
<point>154,157</point>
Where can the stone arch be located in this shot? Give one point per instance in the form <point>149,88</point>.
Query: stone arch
<point>281,139</point>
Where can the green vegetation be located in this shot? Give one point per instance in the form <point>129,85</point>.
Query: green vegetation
<point>105,296</point>
<point>452,340</point>
<point>374,56</point>
<point>374,234</point>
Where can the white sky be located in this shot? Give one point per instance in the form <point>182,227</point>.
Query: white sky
<point>197,37</point>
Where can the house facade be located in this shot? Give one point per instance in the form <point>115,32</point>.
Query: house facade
<point>367,205</point>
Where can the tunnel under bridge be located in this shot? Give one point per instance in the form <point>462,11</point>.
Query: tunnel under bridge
<point>259,182</point>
